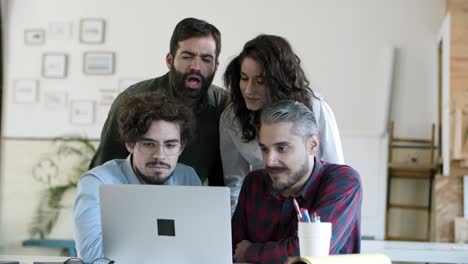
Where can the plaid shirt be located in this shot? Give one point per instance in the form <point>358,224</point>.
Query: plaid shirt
<point>269,220</point>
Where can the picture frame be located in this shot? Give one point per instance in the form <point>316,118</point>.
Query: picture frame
<point>98,63</point>
<point>82,112</point>
<point>92,30</point>
<point>34,36</point>
<point>54,65</point>
<point>124,83</point>
<point>26,91</point>
<point>107,96</point>
<point>55,99</point>
<point>60,30</point>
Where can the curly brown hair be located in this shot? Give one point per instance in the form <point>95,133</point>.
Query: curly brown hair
<point>139,111</point>
<point>282,73</point>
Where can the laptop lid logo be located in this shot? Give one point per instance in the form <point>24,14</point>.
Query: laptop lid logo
<point>166,227</point>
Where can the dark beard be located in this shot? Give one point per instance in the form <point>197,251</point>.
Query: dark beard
<point>295,178</point>
<point>193,95</point>
<point>154,179</point>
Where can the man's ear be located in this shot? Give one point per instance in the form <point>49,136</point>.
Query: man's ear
<point>313,144</point>
<point>169,60</point>
<point>182,147</point>
<point>130,147</point>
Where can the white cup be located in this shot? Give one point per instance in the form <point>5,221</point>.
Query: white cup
<point>314,238</point>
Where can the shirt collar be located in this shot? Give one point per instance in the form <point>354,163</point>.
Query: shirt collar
<point>313,179</point>
<point>129,173</point>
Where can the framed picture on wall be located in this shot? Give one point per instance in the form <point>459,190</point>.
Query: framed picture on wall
<point>34,36</point>
<point>107,96</point>
<point>54,65</point>
<point>82,112</point>
<point>124,83</point>
<point>55,99</point>
<point>60,30</point>
<point>92,30</point>
<point>95,63</point>
<point>25,91</point>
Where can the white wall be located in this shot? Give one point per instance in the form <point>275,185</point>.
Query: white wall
<point>342,45</point>
<point>340,42</point>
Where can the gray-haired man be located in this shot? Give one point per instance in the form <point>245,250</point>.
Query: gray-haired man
<point>264,224</point>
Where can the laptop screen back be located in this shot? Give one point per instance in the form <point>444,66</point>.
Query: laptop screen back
<point>166,224</point>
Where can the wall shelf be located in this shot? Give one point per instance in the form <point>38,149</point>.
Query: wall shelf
<point>407,169</point>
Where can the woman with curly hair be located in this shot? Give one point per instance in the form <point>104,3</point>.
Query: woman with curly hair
<point>267,70</point>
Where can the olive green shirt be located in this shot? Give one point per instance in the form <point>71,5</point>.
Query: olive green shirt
<point>202,153</point>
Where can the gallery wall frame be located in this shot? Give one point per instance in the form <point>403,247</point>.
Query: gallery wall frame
<point>54,65</point>
<point>92,30</point>
<point>82,112</point>
<point>26,91</point>
<point>34,36</point>
<point>107,96</point>
<point>55,99</point>
<point>98,63</point>
<point>126,82</point>
<point>62,30</point>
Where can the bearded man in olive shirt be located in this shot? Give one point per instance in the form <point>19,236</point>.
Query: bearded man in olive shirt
<point>192,61</point>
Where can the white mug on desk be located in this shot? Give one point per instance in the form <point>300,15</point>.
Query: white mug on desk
<point>314,238</point>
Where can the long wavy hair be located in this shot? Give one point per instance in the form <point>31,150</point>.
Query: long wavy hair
<point>282,74</point>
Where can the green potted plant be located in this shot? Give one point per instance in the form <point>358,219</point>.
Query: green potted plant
<point>60,171</point>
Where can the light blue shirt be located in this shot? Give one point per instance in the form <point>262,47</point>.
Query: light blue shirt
<point>86,211</point>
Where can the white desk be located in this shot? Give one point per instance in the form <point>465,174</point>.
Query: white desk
<point>418,251</point>
<point>31,259</point>
<point>396,251</point>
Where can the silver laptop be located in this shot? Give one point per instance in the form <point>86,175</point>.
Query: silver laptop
<point>166,224</point>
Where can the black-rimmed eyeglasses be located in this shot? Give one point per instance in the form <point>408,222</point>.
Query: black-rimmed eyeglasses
<point>96,261</point>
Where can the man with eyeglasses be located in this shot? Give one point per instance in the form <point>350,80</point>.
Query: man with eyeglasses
<point>154,128</point>
<point>192,60</point>
<point>80,261</point>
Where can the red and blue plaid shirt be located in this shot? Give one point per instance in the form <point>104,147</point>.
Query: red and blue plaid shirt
<point>269,220</point>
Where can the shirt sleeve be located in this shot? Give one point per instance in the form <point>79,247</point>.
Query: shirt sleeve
<point>339,202</point>
<point>87,219</point>
<point>330,142</point>
<point>239,221</point>
<point>110,147</point>
<point>269,252</point>
<point>235,167</point>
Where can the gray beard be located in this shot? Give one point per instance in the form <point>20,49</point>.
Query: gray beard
<point>296,177</point>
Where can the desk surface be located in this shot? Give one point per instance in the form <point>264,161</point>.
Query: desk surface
<point>31,259</point>
<point>418,251</point>
<point>395,250</point>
